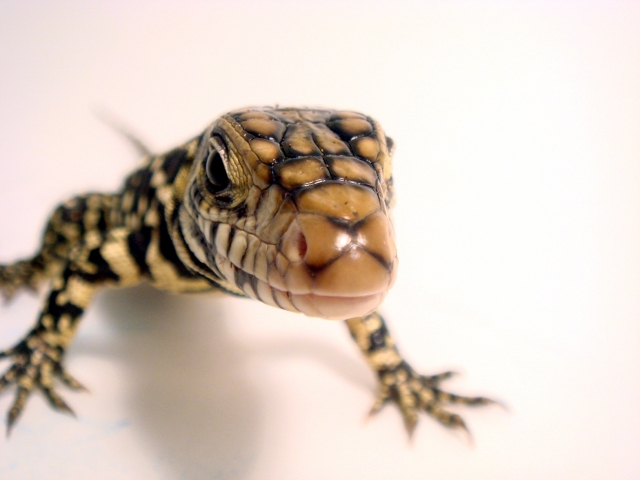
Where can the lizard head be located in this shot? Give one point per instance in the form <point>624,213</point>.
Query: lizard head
<point>290,206</point>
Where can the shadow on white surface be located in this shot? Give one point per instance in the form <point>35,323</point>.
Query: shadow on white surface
<point>188,392</point>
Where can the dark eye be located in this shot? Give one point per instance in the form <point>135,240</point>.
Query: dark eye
<point>216,173</point>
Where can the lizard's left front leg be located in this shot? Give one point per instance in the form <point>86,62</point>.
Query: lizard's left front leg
<point>37,359</point>
<point>400,383</point>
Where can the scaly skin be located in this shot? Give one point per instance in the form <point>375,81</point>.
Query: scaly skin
<point>287,206</point>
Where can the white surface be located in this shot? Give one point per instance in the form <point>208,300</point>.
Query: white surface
<point>518,223</point>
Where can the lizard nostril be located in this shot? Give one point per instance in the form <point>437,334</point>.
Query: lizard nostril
<point>302,245</point>
<point>294,243</point>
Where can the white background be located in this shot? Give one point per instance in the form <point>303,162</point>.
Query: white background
<point>518,226</point>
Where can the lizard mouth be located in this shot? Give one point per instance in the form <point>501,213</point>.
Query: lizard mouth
<point>321,266</point>
<point>333,307</point>
<point>353,285</point>
<point>333,270</point>
<point>318,268</point>
<point>330,307</point>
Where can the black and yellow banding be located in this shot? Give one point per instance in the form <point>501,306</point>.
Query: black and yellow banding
<point>400,383</point>
<point>288,206</point>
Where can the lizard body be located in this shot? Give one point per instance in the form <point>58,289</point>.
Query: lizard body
<point>287,206</point>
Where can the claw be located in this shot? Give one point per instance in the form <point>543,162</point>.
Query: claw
<point>15,350</point>
<point>410,422</point>
<point>482,401</point>
<point>7,294</point>
<point>16,408</point>
<point>57,402</point>
<point>8,276</point>
<point>435,379</point>
<point>9,377</point>
<point>471,401</point>
<point>70,382</point>
<point>462,427</point>
<point>383,398</point>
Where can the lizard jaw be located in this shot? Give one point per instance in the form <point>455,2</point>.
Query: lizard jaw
<point>334,307</point>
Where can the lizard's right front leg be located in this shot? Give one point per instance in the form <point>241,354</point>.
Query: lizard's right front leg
<point>37,359</point>
<point>69,224</point>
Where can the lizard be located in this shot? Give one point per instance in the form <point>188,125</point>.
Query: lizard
<point>289,206</point>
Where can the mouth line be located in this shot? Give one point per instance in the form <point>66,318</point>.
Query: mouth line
<point>334,307</point>
<point>329,297</point>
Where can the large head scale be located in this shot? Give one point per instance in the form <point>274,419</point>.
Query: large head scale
<point>290,206</point>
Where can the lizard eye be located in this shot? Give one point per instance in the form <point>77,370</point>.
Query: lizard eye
<point>214,167</point>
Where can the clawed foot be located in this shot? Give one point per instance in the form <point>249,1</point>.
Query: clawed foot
<point>36,363</point>
<point>414,392</point>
